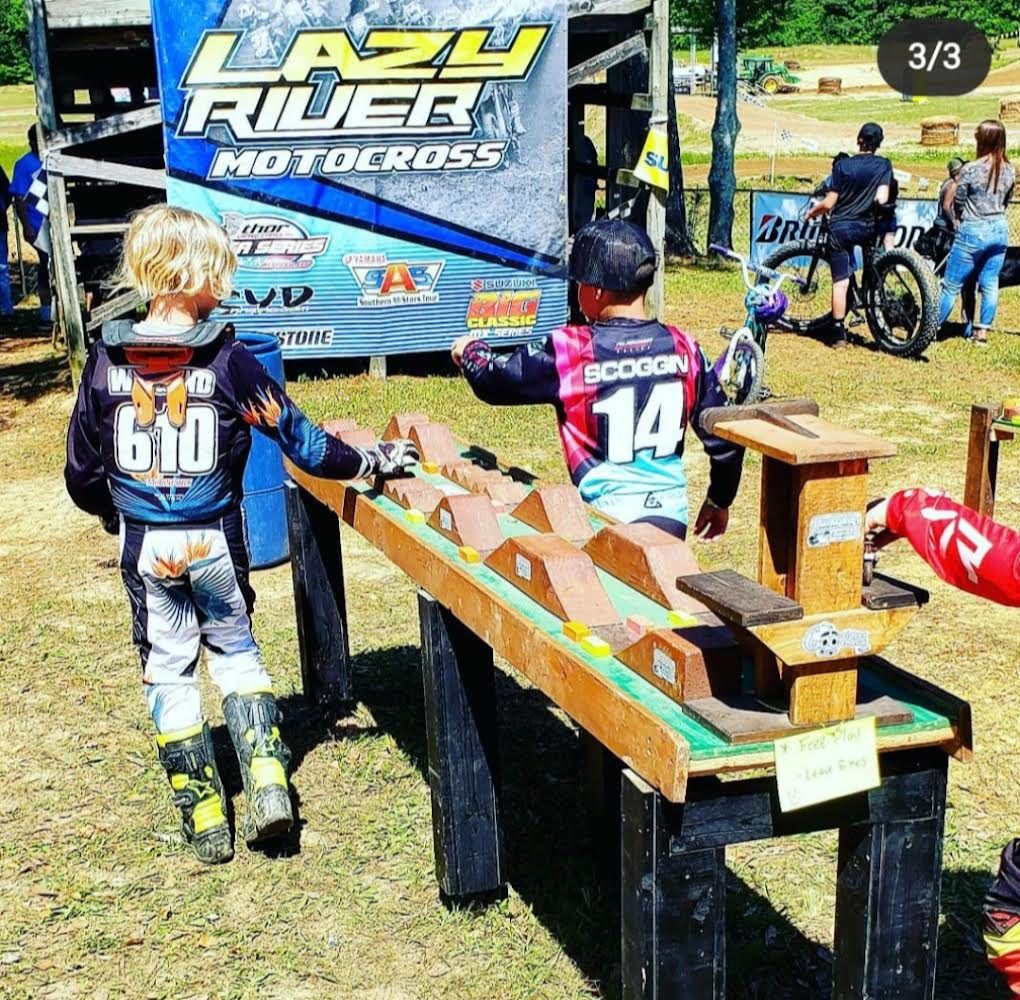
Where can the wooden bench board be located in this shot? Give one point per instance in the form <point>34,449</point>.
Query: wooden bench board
<point>627,711</point>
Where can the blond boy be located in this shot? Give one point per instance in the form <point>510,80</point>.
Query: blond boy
<point>156,448</point>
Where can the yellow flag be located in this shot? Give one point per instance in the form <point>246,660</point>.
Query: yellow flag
<point>653,165</point>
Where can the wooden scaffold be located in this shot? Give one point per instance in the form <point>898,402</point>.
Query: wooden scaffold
<point>100,131</point>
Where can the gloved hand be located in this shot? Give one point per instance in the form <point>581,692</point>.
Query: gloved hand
<point>393,457</point>
<point>111,524</point>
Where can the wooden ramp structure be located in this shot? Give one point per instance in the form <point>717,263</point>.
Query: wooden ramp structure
<point>542,603</point>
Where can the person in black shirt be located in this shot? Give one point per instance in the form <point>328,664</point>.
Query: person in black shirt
<point>859,184</point>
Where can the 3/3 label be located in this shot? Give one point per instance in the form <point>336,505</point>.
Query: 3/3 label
<point>190,449</point>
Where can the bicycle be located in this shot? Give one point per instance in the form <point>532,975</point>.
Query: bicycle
<point>897,294</point>
<point>741,369</point>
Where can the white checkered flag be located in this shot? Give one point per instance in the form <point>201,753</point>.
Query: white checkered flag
<point>37,197</point>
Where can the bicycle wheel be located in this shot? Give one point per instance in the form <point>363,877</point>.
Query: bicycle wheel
<point>810,308</point>
<point>903,307</point>
<point>747,373</point>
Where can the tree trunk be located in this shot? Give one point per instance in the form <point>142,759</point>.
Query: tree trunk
<point>678,238</point>
<point>722,178</point>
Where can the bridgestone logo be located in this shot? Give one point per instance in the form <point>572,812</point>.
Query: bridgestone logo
<point>625,369</point>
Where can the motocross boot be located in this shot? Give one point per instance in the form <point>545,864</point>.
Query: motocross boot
<point>253,721</point>
<point>190,765</point>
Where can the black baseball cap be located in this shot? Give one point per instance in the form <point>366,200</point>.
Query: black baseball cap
<point>613,254</point>
<point>870,135</point>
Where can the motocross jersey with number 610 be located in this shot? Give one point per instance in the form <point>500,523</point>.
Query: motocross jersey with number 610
<point>624,391</point>
<point>161,431</point>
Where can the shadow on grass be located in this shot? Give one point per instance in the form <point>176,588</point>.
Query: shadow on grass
<point>27,381</point>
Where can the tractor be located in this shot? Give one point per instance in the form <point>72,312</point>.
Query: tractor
<point>762,73</point>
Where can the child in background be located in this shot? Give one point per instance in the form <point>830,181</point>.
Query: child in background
<point>625,389</point>
<point>156,448</point>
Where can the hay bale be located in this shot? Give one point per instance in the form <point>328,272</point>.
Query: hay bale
<point>1009,109</point>
<point>940,130</point>
<point>792,64</point>
<point>830,85</point>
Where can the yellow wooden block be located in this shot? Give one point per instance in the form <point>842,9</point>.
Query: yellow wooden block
<point>414,516</point>
<point>468,554</point>
<point>575,630</point>
<point>596,646</point>
<point>432,468</point>
<point>677,619</point>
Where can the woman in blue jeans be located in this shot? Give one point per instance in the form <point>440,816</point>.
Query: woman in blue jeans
<point>983,190</point>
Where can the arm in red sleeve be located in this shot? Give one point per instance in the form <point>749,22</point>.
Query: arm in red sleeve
<point>971,552</point>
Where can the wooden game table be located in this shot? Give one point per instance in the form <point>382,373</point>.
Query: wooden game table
<point>661,764</point>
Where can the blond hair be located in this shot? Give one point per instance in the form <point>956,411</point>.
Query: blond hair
<point>174,251</point>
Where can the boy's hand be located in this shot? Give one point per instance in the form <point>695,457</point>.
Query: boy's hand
<point>711,522</point>
<point>875,520</point>
<point>393,457</point>
<point>111,524</point>
<point>457,348</point>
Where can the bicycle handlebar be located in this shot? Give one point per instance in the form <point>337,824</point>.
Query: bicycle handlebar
<point>765,272</point>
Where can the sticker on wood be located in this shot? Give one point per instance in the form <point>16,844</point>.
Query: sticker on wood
<point>435,443</point>
<point>649,560</point>
<point>558,510</point>
<point>414,493</point>
<point>468,519</point>
<point>685,669</point>
<point>400,425</point>
<point>557,575</point>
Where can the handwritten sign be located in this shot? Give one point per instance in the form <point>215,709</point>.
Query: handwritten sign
<point>826,764</point>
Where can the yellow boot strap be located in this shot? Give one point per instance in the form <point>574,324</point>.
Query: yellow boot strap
<point>267,771</point>
<point>208,814</point>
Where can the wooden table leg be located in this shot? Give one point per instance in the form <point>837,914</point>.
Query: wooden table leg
<point>982,461</point>
<point>319,597</point>
<point>602,769</point>
<point>673,904</point>
<point>463,747</point>
<point>888,883</point>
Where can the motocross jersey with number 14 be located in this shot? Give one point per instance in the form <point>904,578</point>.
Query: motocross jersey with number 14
<point>625,391</point>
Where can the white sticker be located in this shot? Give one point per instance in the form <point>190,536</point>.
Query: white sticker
<point>826,641</point>
<point>445,520</point>
<point>522,567</point>
<point>663,666</point>
<point>831,529</point>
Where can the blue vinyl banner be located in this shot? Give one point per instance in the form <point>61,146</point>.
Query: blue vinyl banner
<point>392,173</point>
<point>777,217</point>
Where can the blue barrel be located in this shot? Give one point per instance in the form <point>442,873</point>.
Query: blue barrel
<point>264,502</point>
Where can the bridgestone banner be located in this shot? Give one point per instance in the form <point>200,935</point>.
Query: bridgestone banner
<point>392,172</point>
<point>778,217</point>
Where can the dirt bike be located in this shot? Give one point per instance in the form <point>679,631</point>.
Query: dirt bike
<point>897,294</point>
<point>741,368</point>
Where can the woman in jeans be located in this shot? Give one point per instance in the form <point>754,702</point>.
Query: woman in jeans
<point>983,190</point>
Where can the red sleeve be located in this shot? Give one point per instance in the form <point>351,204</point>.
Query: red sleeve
<point>969,551</point>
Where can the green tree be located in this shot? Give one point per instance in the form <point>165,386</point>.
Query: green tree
<point>15,66</point>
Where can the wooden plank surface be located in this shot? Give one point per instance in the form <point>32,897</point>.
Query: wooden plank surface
<point>736,599</point>
<point>833,444</point>
<point>982,461</point>
<point>96,13</point>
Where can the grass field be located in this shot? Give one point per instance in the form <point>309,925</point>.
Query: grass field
<point>101,900</point>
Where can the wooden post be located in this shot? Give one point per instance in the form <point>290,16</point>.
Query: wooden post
<point>661,93</point>
<point>982,461</point>
<point>62,258</point>
<point>672,904</point>
<point>463,748</point>
<point>602,770</point>
<point>319,598</point>
<point>39,52</point>
<point>888,884</point>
